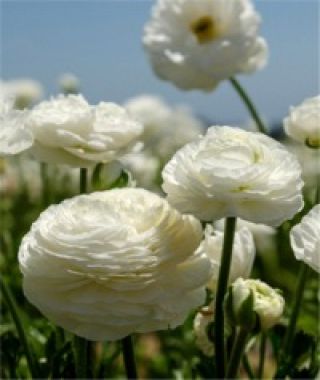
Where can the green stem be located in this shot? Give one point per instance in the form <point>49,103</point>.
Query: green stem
<point>83,180</point>
<point>301,282</point>
<point>220,357</point>
<point>14,311</point>
<point>247,367</point>
<point>262,354</point>
<point>45,184</point>
<point>80,346</point>
<point>128,357</point>
<point>236,354</point>
<point>249,104</point>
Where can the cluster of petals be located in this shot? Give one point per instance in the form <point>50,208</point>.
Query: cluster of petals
<point>305,239</point>
<point>243,253</point>
<point>230,172</point>
<point>67,130</point>
<point>113,263</point>
<point>303,122</point>
<point>197,43</point>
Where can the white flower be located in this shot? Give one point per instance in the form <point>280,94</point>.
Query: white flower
<point>166,129</point>
<point>231,172</point>
<point>243,254</point>
<point>69,83</point>
<point>14,136</point>
<point>305,239</point>
<point>263,236</point>
<point>68,130</point>
<point>25,92</point>
<point>144,168</point>
<point>303,122</point>
<point>109,264</point>
<point>201,324</point>
<point>152,112</point>
<point>268,304</point>
<point>197,43</point>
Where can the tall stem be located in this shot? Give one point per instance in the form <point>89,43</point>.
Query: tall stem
<point>236,354</point>
<point>128,357</point>
<point>229,231</point>
<point>262,354</point>
<point>249,104</point>
<point>14,311</point>
<point>80,346</point>
<point>45,184</point>
<point>288,340</point>
<point>83,180</point>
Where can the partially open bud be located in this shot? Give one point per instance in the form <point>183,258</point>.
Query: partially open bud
<point>253,304</point>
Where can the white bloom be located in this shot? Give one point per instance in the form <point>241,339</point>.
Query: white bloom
<point>144,168</point>
<point>201,323</point>
<point>69,83</point>
<point>166,129</point>
<point>305,239</point>
<point>68,130</point>
<point>14,136</point>
<point>25,92</point>
<point>152,112</point>
<point>231,172</point>
<point>243,253</point>
<point>263,236</point>
<point>182,127</point>
<point>109,264</point>
<point>303,122</point>
<point>268,304</point>
<point>198,43</point>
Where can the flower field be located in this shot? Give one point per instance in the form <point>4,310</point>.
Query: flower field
<point>140,241</point>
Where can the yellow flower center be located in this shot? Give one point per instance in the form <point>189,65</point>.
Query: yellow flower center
<point>204,29</point>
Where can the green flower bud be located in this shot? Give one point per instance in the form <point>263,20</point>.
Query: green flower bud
<point>251,303</point>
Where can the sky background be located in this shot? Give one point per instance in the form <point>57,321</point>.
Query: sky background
<point>100,42</point>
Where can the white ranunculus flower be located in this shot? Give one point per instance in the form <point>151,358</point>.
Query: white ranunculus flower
<point>25,92</point>
<point>67,130</point>
<point>305,239</point>
<point>201,324</point>
<point>242,256</point>
<point>113,263</point>
<point>268,304</point>
<point>197,43</point>
<point>14,136</point>
<point>303,122</point>
<point>144,169</point>
<point>69,83</point>
<point>263,236</point>
<point>232,172</point>
<point>166,128</point>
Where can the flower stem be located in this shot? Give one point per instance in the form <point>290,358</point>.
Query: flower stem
<point>236,354</point>
<point>229,231</point>
<point>45,184</point>
<point>14,311</point>
<point>249,104</point>
<point>262,354</point>
<point>288,340</point>
<point>80,346</point>
<point>128,357</point>
<point>83,180</point>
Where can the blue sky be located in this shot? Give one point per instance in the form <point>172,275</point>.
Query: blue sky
<point>100,41</point>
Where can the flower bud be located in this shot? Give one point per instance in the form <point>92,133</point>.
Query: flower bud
<point>252,303</point>
<point>202,326</point>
